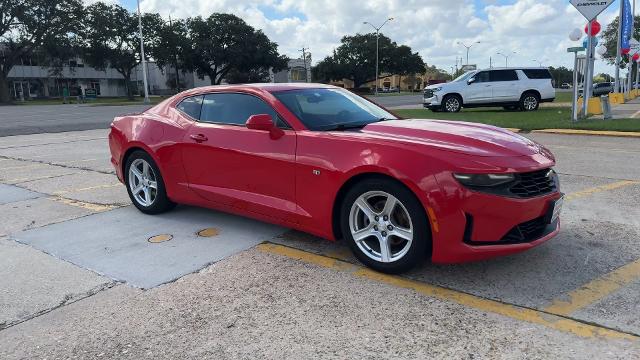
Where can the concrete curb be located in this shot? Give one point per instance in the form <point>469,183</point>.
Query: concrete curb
<point>589,132</point>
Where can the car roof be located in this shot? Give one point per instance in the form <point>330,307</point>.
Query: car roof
<point>269,87</point>
<point>515,68</point>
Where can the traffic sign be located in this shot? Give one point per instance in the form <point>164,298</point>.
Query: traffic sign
<point>590,9</point>
<point>576,49</point>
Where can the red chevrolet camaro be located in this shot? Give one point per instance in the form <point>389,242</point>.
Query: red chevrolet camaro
<point>325,161</point>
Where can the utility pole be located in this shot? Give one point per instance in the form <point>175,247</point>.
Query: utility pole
<point>377,28</point>
<point>144,60</point>
<point>304,59</point>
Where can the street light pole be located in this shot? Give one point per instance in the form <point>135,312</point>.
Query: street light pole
<point>175,55</point>
<point>506,57</point>
<point>377,28</point>
<point>144,60</point>
<point>468,48</point>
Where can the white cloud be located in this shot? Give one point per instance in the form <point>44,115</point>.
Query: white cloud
<point>535,29</point>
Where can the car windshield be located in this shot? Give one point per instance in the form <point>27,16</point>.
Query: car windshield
<point>331,109</point>
<point>464,76</point>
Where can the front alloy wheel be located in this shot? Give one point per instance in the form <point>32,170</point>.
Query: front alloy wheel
<point>385,225</point>
<point>452,104</point>
<point>381,226</point>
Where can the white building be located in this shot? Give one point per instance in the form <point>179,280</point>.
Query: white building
<point>33,81</point>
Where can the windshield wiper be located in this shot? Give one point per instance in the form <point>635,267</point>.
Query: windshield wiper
<point>348,126</point>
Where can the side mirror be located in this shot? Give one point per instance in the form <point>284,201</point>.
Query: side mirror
<point>471,81</point>
<point>264,122</point>
<point>260,122</point>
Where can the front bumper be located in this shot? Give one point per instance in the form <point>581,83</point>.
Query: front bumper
<point>431,102</point>
<point>476,226</point>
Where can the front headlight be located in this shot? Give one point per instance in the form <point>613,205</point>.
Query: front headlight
<point>484,180</point>
<point>437,89</point>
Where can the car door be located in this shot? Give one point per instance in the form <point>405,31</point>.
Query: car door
<point>504,84</point>
<point>479,89</point>
<point>227,163</point>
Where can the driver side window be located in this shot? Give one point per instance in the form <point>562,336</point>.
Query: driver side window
<point>235,109</point>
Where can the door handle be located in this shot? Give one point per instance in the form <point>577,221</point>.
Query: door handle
<point>198,138</point>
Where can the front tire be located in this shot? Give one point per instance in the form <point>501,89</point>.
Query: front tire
<point>385,225</point>
<point>451,104</point>
<point>145,184</point>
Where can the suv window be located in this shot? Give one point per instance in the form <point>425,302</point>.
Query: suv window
<point>537,73</point>
<point>481,77</point>
<point>235,109</point>
<point>503,75</point>
<point>191,106</point>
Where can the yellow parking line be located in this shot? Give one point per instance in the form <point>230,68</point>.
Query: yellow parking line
<point>105,186</point>
<point>597,189</point>
<point>596,290</point>
<point>82,204</point>
<point>511,311</point>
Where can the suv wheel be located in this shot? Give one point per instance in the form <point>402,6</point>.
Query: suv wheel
<point>529,102</point>
<point>451,103</point>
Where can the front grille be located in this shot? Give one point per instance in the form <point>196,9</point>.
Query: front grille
<point>428,93</point>
<point>527,231</point>
<point>533,184</point>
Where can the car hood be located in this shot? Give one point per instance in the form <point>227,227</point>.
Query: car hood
<point>460,137</point>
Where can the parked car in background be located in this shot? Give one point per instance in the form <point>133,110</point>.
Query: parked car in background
<point>511,88</point>
<point>566,86</point>
<point>603,88</point>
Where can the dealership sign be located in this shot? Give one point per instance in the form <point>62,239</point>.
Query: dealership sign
<point>590,9</point>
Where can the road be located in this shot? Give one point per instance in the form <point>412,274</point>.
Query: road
<point>390,101</point>
<point>37,119</point>
<point>80,278</point>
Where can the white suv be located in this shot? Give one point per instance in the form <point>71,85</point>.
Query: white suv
<point>511,88</point>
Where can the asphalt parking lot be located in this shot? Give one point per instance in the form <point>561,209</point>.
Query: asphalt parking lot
<point>87,276</point>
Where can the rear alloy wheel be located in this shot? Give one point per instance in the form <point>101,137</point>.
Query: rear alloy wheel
<point>145,185</point>
<point>529,102</point>
<point>385,225</point>
<point>451,103</point>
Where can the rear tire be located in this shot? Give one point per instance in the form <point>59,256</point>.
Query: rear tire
<point>451,104</point>
<point>145,184</point>
<point>529,102</point>
<point>385,225</point>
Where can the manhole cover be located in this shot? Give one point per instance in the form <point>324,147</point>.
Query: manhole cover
<point>209,232</point>
<point>160,238</point>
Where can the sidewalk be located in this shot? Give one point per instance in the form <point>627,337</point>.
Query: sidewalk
<point>628,110</point>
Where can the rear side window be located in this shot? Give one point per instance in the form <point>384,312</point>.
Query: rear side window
<point>503,75</point>
<point>537,73</point>
<point>191,106</point>
<point>235,109</point>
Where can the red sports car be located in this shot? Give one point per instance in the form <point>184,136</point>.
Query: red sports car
<point>325,161</point>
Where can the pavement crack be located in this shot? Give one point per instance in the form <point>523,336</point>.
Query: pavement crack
<point>52,143</point>
<point>57,164</point>
<point>67,300</point>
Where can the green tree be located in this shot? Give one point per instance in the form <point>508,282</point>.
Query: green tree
<point>561,75</point>
<point>35,28</point>
<point>170,47</point>
<point>355,59</point>
<point>110,38</point>
<point>405,62</point>
<point>610,41</point>
<point>222,43</point>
